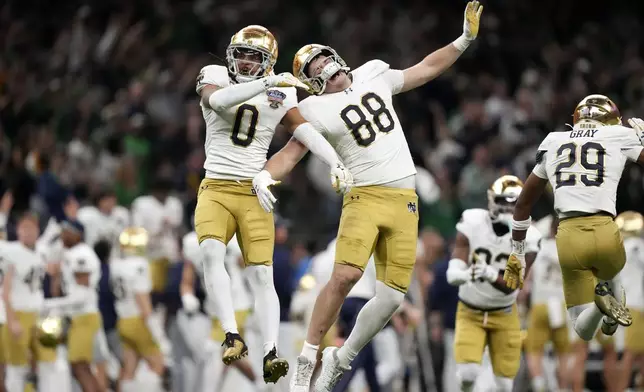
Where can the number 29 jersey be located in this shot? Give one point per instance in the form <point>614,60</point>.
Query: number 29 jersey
<point>584,165</point>
<point>237,139</point>
<point>490,248</point>
<point>361,124</point>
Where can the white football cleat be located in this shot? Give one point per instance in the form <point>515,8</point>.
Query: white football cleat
<point>301,380</point>
<point>331,372</point>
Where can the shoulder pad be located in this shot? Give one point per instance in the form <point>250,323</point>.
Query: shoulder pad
<point>370,70</point>
<point>474,215</point>
<point>213,75</point>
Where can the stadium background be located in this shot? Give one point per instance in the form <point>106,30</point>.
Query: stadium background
<point>97,94</point>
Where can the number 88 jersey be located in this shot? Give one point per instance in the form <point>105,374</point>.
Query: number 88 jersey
<point>486,246</point>
<point>362,126</point>
<point>237,139</point>
<point>584,165</point>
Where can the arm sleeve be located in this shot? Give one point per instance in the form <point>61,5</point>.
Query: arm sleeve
<point>630,145</point>
<point>316,143</point>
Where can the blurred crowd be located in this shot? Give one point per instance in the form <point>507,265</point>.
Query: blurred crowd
<point>98,96</point>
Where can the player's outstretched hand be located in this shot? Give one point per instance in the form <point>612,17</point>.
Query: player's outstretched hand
<point>285,79</point>
<point>472,18</point>
<point>261,183</point>
<point>341,179</point>
<point>514,271</point>
<point>638,125</point>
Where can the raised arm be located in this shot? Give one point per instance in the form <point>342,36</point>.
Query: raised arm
<point>437,62</point>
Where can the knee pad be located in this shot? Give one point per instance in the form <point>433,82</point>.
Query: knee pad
<point>388,297</point>
<point>503,384</point>
<point>466,374</point>
<point>261,276</point>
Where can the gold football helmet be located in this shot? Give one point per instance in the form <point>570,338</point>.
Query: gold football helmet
<point>51,331</point>
<point>598,108</point>
<point>134,241</point>
<point>630,223</point>
<point>502,197</point>
<point>251,39</point>
<point>303,58</point>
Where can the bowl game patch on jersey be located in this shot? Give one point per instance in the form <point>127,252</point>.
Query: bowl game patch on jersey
<point>275,97</point>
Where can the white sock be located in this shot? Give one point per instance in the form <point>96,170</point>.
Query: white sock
<point>48,377</point>
<point>15,379</point>
<point>310,351</point>
<point>218,283</point>
<point>586,319</point>
<point>538,384</point>
<point>128,386</point>
<point>371,319</point>
<point>504,384</point>
<point>156,383</point>
<point>267,304</point>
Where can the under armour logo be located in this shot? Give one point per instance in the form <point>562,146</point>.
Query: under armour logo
<point>349,90</point>
<point>411,206</point>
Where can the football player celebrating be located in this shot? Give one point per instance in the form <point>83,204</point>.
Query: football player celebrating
<point>631,224</point>
<point>242,105</point>
<point>193,268</point>
<point>81,272</point>
<point>354,111</point>
<point>584,166</point>
<point>547,319</point>
<point>487,313</point>
<point>105,220</point>
<point>131,285</point>
<point>23,298</point>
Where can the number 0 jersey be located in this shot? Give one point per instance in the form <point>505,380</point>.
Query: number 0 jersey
<point>490,248</point>
<point>237,139</point>
<point>129,276</point>
<point>547,281</point>
<point>584,165</point>
<point>28,271</point>
<point>361,124</point>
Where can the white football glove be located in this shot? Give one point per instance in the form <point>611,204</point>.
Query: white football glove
<point>485,272</point>
<point>261,182</point>
<point>638,125</point>
<point>285,79</point>
<point>190,303</point>
<point>341,179</point>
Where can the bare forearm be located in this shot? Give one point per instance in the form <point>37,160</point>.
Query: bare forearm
<point>285,159</point>
<point>439,61</point>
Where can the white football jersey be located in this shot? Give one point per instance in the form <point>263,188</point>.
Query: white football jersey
<point>28,272</point>
<point>240,293</point>
<point>361,124</point>
<point>584,165</point>
<point>99,226</point>
<point>476,225</point>
<point>129,276</point>
<point>633,273</point>
<point>161,220</point>
<point>547,281</point>
<point>82,259</point>
<point>238,138</point>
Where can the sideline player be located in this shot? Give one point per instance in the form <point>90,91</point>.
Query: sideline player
<point>354,111</point>
<point>487,313</point>
<point>242,105</point>
<point>584,166</point>
<point>131,284</point>
<point>23,298</point>
<point>547,320</point>
<point>631,225</point>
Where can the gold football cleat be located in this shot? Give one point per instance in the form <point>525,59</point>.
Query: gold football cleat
<point>609,306</point>
<point>235,348</point>
<point>274,367</point>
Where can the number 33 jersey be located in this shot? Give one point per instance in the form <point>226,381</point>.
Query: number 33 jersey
<point>362,126</point>
<point>490,248</point>
<point>584,165</point>
<point>237,139</point>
